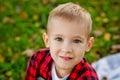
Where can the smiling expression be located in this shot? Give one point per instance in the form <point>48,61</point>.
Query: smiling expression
<point>67,41</point>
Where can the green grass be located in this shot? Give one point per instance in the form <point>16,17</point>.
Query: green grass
<point>23,21</point>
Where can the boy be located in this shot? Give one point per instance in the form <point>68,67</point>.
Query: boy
<point>67,39</point>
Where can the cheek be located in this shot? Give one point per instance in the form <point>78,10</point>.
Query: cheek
<point>79,47</point>
<point>54,45</point>
<point>80,54</point>
<point>80,51</point>
<point>53,48</point>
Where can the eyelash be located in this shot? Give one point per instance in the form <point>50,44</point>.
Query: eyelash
<point>75,41</point>
<point>58,39</point>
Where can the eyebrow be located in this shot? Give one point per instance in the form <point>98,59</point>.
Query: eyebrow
<point>58,35</point>
<point>80,37</point>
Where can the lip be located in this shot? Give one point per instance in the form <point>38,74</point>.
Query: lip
<point>66,58</point>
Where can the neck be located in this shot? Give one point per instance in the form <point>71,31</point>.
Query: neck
<point>62,72</point>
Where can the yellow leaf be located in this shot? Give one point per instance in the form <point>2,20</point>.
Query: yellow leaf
<point>8,73</point>
<point>105,20</point>
<point>17,38</point>
<point>2,58</point>
<point>35,17</point>
<point>37,24</point>
<point>15,56</point>
<point>103,14</point>
<point>52,1</point>
<point>98,19</point>
<point>9,50</point>
<point>107,36</point>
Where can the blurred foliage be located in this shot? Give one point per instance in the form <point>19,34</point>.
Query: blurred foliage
<point>23,21</point>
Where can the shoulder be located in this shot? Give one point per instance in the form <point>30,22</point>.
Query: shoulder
<point>37,63</point>
<point>39,55</point>
<point>83,71</point>
<point>89,72</point>
<point>88,67</point>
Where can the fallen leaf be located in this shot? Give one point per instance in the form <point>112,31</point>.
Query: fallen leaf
<point>103,14</point>
<point>97,33</point>
<point>35,17</point>
<point>45,2</point>
<point>98,19</point>
<point>7,20</point>
<point>2,58</point>
<point>37,24</point>
<point>116,37</point>
<point>115,18</point>
<point>52,1</point>
<point>18,9</point>
<point>107,36</point>
<point>116,47</point>
<point>24,15</point>
<point>28,52</point>
<point>15,56</point>
<point>105,20</point>
<point>8,73</point>
<point>9,50</point>
<point>17,38</point>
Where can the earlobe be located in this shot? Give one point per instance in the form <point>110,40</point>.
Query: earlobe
<point>46,41</point>
<point>89,44</point>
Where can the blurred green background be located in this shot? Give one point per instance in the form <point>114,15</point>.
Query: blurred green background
<point>23,21</point>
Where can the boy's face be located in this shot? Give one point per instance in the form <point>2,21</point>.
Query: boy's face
<point>68,42</point>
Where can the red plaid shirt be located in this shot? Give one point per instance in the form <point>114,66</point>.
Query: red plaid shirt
<point>40,65</point>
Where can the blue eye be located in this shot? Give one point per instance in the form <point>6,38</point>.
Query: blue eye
<point>58,39</point>
<point>76,41</point>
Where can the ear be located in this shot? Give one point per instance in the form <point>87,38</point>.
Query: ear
<point>89,44</point>
<point>46,41</point>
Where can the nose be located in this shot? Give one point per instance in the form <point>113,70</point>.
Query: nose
<point>66,47</point>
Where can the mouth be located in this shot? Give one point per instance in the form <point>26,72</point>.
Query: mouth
<point>66,58</point>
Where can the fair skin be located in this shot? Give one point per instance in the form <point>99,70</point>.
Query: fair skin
<point>68,43</point>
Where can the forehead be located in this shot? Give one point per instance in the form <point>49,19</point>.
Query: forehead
<point>72,27</point>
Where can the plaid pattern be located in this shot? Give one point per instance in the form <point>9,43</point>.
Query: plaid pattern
<point>40,65</point>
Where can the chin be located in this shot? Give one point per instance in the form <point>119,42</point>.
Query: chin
<point>66,66</point>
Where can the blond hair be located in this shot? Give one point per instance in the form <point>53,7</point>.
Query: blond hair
<point>71,11</point>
